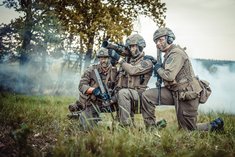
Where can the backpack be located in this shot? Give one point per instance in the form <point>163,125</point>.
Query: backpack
<point>206,91</point>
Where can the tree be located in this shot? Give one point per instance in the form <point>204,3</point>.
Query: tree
<point>6,34</point>
<point>37,27</point>
<point>95,20</point>
<point>90,20</point>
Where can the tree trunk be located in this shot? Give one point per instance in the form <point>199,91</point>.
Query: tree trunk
<point>24,51</point>
<point>89,51</point>
<point>27,34</point>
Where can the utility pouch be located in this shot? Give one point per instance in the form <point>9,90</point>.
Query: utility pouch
<point>187,95</point>
<point>206,91</point>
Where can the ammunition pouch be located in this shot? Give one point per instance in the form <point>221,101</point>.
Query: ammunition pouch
<point>187,95</point>
<point>188,91</point>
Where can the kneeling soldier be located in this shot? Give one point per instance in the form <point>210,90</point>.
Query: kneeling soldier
<point>95,88</point>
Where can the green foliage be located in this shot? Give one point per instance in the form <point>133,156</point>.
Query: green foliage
<point>36,31</point>
<point>90,20</point>
<point>43,122</point>
<point>98,19</point>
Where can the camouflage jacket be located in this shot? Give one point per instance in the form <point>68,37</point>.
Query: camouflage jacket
<point>177,72</point>
<point>88,80</point>
<point>135,74</point>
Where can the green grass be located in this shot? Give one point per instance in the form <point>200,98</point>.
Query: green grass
<point>38,126</point>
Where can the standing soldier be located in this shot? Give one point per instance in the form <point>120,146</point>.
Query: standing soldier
<point>132,79</point>
<point>91,98</point>
<point>181,87</point>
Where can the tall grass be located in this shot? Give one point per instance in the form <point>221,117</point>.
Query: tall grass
<point>53,134</point>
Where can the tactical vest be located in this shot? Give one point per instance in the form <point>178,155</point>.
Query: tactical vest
<point>137,82</point>
<point>108,79</point>
<point>185,77</point>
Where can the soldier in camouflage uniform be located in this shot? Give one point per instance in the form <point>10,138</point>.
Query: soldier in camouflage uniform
<point>90,98</point>
<point>181,87</point>
<point>133,78</point>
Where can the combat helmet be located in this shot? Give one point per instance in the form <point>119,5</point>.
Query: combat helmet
<point>164,32</point>
<point>136,39</point>
<point>102,52</point>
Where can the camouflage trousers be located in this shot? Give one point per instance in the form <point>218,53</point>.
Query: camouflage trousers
<point>89,117</point>
<point>128,104</point>
<point>186,111</point>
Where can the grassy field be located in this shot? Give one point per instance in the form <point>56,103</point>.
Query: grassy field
<point>38,126</point>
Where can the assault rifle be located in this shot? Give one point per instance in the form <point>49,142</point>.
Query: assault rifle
<point>159,79</point>
<point>104,92</point>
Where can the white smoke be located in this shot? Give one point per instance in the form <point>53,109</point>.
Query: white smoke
<point>58,78</point>
<point>222,83</point>
<point>54,78</point>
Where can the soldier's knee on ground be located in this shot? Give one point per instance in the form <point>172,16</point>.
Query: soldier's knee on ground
<point>72,107</point>
<point>75,107</point>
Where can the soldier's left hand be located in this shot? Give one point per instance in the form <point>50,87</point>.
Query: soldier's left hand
<point>105,97</point>
<point>113,62</point>
<point>114,55</point>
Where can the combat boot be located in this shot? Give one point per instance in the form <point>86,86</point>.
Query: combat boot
<point>157,126</point>
<point>217,125</point>
<point>161,124</point>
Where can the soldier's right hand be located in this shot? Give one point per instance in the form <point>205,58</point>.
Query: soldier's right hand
<point>151,58</point>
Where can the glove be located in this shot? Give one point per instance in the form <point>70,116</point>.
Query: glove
<point>148,57</point>
<point>156,67</point>
<point>96,92</point>
<point>113,62</point>
<point>105,97</point>
<point>113,54</point>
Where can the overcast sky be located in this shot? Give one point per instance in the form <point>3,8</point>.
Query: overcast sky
<point>206,28</point>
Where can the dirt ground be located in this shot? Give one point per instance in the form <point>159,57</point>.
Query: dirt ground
<point>13,145</point>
